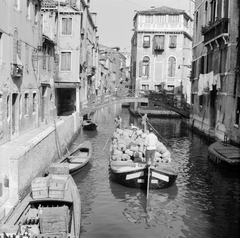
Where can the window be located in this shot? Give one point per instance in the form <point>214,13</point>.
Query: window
<point>145,66</point>
<point>1,48</point>
<point>36,14</point>
<point>8,106</point>
<point>200,98</point>
<point>171,67</point>
<point>16,48</point>
<point>213,10</point>
<point>196,21</point>
<point>26,97</point>
<point>65,61</point>
<point>160,19</point>
<point>148,19</point>
<point>237,120</point>
<point>66,26</point>
<point>44,62</point>
<point>27,57</point>
<point>185,21</point>
<point>34,102</point>
<point>223,59</point>
<point>205,14</point>
<point>172,41</point>
<point>144,104</point>
<point>17,4</point>
<point>173,18</point>
<point>146,41</point>
<point>156,88</point>
<point>28,9</point>
<point>49,59</point>
<point>145,87</point>
<point>192,98</point>
<point>170,88</point>
<point>20,105</point>
<point>158,43</point>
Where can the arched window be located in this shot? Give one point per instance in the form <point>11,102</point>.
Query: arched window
<point>145,66</point>
<point>171,67</point>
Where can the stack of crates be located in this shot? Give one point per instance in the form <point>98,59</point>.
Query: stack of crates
<point>40,187</point>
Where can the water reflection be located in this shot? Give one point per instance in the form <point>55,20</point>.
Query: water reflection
<point>204,202</point>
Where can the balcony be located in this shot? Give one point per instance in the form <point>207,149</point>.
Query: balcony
<point>215,30</point>
<point>16,70</point>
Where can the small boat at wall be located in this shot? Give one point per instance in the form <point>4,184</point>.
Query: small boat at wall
<point>127,165</point>
<point>224,154</point>
<point>51,209</point>
<point>79,158</point>
<point>89,125</point>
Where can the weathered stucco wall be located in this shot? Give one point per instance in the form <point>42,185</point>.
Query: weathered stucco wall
<point>34,159</point>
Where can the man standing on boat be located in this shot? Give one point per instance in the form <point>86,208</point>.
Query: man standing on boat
<point>118,121</point>
<point>150,144</point>
<point>144,122</point>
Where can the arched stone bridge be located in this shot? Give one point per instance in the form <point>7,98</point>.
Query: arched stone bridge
<point>164,100</point>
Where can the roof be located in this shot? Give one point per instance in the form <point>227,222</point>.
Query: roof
<point>163,10</point>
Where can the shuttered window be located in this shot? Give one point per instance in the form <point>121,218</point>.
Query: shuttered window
<point>27,56</point>
<point>65,61</point>
<point>172,41</point>
<point>67,26</point>
<point>171,67</point>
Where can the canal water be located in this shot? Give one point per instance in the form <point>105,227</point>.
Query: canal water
<point>204,201</point>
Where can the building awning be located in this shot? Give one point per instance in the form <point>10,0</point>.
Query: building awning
<point>67,85</point>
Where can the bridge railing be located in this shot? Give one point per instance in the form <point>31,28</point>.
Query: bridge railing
<point>169,99</point>
<point>107,98</point>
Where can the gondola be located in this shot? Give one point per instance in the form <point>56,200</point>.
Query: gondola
<point>128,171</point>
<point>79,158</point>
<point>89,125</point>
<point>51,209</point>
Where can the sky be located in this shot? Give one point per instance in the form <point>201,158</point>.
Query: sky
<point>115,18</point>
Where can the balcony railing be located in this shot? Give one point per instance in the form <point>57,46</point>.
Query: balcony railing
<point>215,29</point>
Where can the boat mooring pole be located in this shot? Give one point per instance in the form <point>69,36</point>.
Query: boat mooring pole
<point>148,181</point>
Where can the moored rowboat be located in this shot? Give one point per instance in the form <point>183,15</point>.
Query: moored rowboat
<point>89,125</point>
<point>79,158</point>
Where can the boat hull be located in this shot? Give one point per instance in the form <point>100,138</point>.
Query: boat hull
<point>50,216</point>
<point>224,155</point>
<point>90,126</point>
<point>159,177</point>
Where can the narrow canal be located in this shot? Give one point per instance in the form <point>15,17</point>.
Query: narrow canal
<point>204,202</point>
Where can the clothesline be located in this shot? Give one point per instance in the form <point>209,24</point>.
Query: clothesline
<point>206,81</point>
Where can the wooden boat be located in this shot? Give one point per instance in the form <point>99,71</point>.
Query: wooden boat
<point>89,125</point>
<point>52,209</point>
<point>225,155</point>
<point>79,158</point>
<point>136,173</point>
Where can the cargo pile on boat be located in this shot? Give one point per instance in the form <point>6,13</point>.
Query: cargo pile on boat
<point>128,144</point>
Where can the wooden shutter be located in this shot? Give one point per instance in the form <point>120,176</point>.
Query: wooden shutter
<point>64,26</point>
<point>68,60</point>
<point>19,48</point>
<point>69,26</point>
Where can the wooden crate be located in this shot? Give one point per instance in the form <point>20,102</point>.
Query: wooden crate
<point>53,224</point>
<point>57,168</point>
<point>38,194</point>
<point>54,219</point>
<point>40,183</point>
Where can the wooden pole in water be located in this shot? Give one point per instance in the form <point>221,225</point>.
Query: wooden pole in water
<point>148,181</point>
